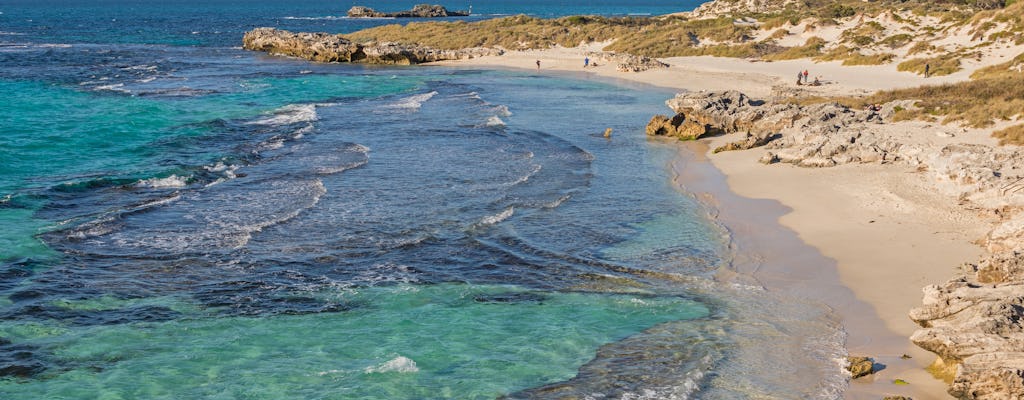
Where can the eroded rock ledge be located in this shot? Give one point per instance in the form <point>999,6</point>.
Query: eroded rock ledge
<point>325,47</point>
<point>975,321</point>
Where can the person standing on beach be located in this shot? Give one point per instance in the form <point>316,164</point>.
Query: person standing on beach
<point>927,70</point>
<point>586,61</point>
<point>799,75</point>
<point>538,65</point>
<point>805,76</point>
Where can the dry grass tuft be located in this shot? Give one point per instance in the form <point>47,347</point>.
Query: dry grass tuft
<point>938,66</point>
<point>1012,135</point>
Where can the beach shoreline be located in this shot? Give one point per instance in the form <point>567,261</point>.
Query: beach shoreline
<point>865,238</point>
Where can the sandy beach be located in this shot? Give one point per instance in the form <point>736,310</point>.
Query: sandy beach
<point>863,238</point>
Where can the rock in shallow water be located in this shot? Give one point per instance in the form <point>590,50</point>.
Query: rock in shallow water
<point>860,366</point>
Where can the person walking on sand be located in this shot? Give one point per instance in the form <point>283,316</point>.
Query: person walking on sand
<point>927,70</point>
<point>586,62</point>
<point>805,76</point>
<point>538,65</point>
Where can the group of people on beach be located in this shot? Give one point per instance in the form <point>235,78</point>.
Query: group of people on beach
<point>802,76</point>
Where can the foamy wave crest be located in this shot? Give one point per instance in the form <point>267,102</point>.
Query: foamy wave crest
<point>117,87</point>
<point>172,181</point>
<point>502,111</point>
<point>494,121</point>
<point>557,202</point>
<point>4,33</point>
<point>496,218</point>
<point>140,68</point>
<point>290,114</point>
<point>413,102</point>
<point>324,18</point>
<point>338,169</point>
<point>525,178</point>
<point>398,364</point>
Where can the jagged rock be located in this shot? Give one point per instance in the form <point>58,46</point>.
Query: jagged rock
<point>822,135</point>
<point>319,47</point>
<point>678,126</point>
<point>859,366</point>
<point>418,11</point>
<point>324,47</point>
<point>974,322</point>
<point>751,141</point>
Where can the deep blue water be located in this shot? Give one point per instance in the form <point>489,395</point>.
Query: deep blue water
<point>185,219</point>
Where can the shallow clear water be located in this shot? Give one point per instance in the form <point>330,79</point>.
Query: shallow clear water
<point>186,219</point>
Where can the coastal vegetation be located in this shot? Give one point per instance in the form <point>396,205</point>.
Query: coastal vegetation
<point>911,33</point>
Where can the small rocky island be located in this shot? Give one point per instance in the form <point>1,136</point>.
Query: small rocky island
<point>418,11</point>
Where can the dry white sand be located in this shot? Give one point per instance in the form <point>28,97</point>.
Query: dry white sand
<point>883,230</point>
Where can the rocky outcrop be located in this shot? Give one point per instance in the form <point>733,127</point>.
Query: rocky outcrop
<point>418,11</point>
<point>975,321</point>
<point>626,62</point>
<point>325,47</point>
<point>678,127</point>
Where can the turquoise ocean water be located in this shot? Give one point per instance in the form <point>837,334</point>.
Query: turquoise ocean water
<point>185,219</point>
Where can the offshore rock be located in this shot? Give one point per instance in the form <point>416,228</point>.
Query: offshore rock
<point>418,11</point>
<point>324,47</point>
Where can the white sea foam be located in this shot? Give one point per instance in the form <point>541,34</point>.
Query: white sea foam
<point>494,121</point>
<point>557,202</point>
<point>525,178</point>
<point>147,80</point>
<point>172,181</point>
<point>398,364</point>
<point>496,218</point>
<point>290,114</point>
<point>140,68</point>
<point>117,87</point>
<point>339,168</point>
<point>3,33</point>
<point>502,111</point>
<point>413,102</point>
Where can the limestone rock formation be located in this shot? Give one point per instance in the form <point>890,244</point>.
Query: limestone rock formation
<point>324,47</point>
<point>678,126</point>
<point>975,321</point>
<point>626,62</point>
<point>319,47</point>
<point>860,366</point>
<point>418,11</point>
